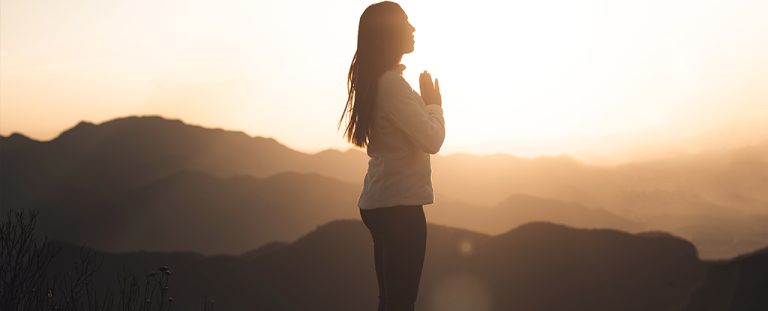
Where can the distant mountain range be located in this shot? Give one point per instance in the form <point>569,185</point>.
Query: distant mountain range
<point>537,266</point>
<point>160,184</point>
<point>192,210</point>
<point>518,209</point>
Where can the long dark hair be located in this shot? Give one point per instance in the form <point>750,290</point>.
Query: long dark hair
<point>378,50</point>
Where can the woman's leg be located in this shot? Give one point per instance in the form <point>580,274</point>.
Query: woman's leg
<point>404,237</point>
<point>372,222</point>
<point>400,235</point>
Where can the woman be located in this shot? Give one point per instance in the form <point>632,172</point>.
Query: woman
<point>400,129</point>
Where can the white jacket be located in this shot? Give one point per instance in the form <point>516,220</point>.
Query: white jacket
<point>404,132</point>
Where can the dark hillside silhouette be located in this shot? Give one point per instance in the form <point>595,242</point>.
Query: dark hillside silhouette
<point>737,284</point>
<point>521,269</point>
<point>591,269</point>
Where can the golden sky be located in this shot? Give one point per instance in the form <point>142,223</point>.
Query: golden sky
<point>600,79</point>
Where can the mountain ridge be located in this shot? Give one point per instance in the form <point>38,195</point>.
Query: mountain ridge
<point>516,270</point>
<point>711,200</point>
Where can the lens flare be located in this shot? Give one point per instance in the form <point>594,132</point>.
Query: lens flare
<point>466,247</point>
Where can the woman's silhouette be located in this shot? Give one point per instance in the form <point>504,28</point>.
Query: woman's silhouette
<point>400,129</point>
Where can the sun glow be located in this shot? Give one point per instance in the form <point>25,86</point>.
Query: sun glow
<point>563,76</point>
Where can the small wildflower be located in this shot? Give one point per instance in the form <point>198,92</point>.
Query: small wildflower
<point>148,300</point>
<point>170,299</point>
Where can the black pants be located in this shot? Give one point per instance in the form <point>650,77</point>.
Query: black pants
<point>399,242</point>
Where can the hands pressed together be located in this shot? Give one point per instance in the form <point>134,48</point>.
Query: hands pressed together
<point>430,92</point>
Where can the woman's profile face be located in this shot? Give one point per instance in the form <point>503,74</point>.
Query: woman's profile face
<point>406,31</point>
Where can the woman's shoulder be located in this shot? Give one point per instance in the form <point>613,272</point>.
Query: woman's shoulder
<point>393,81</point>
<point>391,76</point>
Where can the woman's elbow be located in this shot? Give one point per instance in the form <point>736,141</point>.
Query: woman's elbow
<point>433,147</point>
<point>432,150</point>
<point>431,143</point>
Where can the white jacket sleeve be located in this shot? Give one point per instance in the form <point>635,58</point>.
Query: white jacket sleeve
<point>423,124</point>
